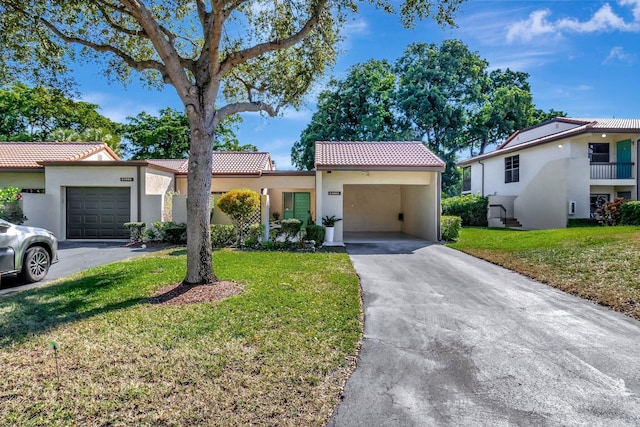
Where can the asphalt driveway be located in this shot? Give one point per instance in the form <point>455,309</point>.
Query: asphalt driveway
<point>451,340</point>
<point>75,257</point>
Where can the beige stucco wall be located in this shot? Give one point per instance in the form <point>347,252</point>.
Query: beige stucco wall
<point>157,181</point>
<point>37,208</point>
<point>372,208</point>
<point>23,179</point>
<point>421,211</point>
<point>336,181</point>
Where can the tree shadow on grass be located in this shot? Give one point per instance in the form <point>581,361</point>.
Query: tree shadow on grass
<point>37,311</point>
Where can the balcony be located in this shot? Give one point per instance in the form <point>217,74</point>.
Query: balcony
<point>612,170</point>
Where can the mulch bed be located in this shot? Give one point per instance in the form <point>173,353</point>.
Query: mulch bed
<point>180,294</point>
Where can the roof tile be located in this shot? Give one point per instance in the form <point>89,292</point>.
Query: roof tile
<point>375,154</point>
<point>226,163</point>
<point>27,154</point>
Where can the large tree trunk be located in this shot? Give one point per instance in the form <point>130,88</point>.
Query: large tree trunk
<point>199,263</point>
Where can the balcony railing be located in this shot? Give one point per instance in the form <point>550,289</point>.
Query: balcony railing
<point>612,171</point>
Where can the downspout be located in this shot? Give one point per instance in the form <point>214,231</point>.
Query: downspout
<point>439,219</point>
<point>139,195</point>
<point>480,161</point>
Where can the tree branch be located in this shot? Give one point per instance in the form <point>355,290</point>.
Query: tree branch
<point>242,107</point>
<point>133,63</point>
<point>245,55</point>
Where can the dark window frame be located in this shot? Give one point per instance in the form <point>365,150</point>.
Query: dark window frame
<point>512,169</point>
<point>599,152</point>
<point>466,178</point>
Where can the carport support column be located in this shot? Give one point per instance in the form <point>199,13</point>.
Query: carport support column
<point>439,207</point>
<point>319,196</point>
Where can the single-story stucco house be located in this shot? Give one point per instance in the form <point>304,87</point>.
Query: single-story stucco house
<point>561,169</point>
<point>85,191</point>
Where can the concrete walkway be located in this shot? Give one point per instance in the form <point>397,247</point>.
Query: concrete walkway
<point>451,340</point>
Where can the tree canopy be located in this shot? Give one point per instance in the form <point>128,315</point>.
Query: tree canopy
<point>442,95</point>
<point>167,136</point>
<point>40,114</point>
<point>246,56</point>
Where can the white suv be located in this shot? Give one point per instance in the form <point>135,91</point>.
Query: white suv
<point>28,251</point>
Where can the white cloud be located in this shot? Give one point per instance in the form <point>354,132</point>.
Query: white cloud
<point>536,25</point>
<point>356,27</point>
<point>617,54</point>
<point>604,19</point>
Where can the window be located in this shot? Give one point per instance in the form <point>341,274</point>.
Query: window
<point>597,201</point>
<point>512,169</point>
<point>624,194</point>
<point>599,152</point>
<point>466,178</point>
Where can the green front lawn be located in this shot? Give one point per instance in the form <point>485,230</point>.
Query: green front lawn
<point>601,264</point>
<point>276,354</point>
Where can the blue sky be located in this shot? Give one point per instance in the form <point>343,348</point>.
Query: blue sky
<point>582,57</point>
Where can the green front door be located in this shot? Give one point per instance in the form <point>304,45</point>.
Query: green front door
<point>623,159</point>
<point>297,205</point>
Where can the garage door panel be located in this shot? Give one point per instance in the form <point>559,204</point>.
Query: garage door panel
<point>98,212</point>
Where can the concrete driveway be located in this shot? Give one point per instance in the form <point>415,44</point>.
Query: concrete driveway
<point>75,257</point>
<point>451,340</point>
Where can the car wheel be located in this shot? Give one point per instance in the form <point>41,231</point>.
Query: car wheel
<point>36,264</point>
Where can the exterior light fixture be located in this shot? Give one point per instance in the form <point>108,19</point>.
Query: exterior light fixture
<point>604,135</point>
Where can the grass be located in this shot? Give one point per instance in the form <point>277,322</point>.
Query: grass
<point>601,264</point>
<point>277,354</point>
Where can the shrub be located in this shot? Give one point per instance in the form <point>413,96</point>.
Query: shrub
<point>240,206</point>
<point>167,232</point>
<point>471,209</point>
<point>315,233</point>
<point>254,235</point>
<point>630,213</point>
<point>136,230</point>
<point>610,213</point>
<point>10,209</point>
<point>450,227</point>
<point>222,235</point>
<point>290,228</point>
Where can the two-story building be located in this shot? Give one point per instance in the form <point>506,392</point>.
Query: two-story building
<point>542,176</point>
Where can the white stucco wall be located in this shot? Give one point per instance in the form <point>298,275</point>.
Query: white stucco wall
<point>37,208</point>
<point>540,131</point>
<point>58,178</point>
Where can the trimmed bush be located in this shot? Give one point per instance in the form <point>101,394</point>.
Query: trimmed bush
<point>450,227</point>
<point>167,232</point>
<point>290,228</point>
<point>240,206</point>
<point>222,235</point>
<point>471,209</point>
<point>630,213</point>
<point>315,233</point>
<point>136,230</point>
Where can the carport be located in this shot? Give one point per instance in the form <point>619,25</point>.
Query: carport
<point>379,188</point>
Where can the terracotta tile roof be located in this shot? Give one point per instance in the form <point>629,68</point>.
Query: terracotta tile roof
<point>26,155</point>
<point>359,154</point>
<point>177,165</point>
<point>583,126</point>
<point>226,163</point>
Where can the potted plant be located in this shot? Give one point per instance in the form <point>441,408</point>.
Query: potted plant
<point>329,222</point>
